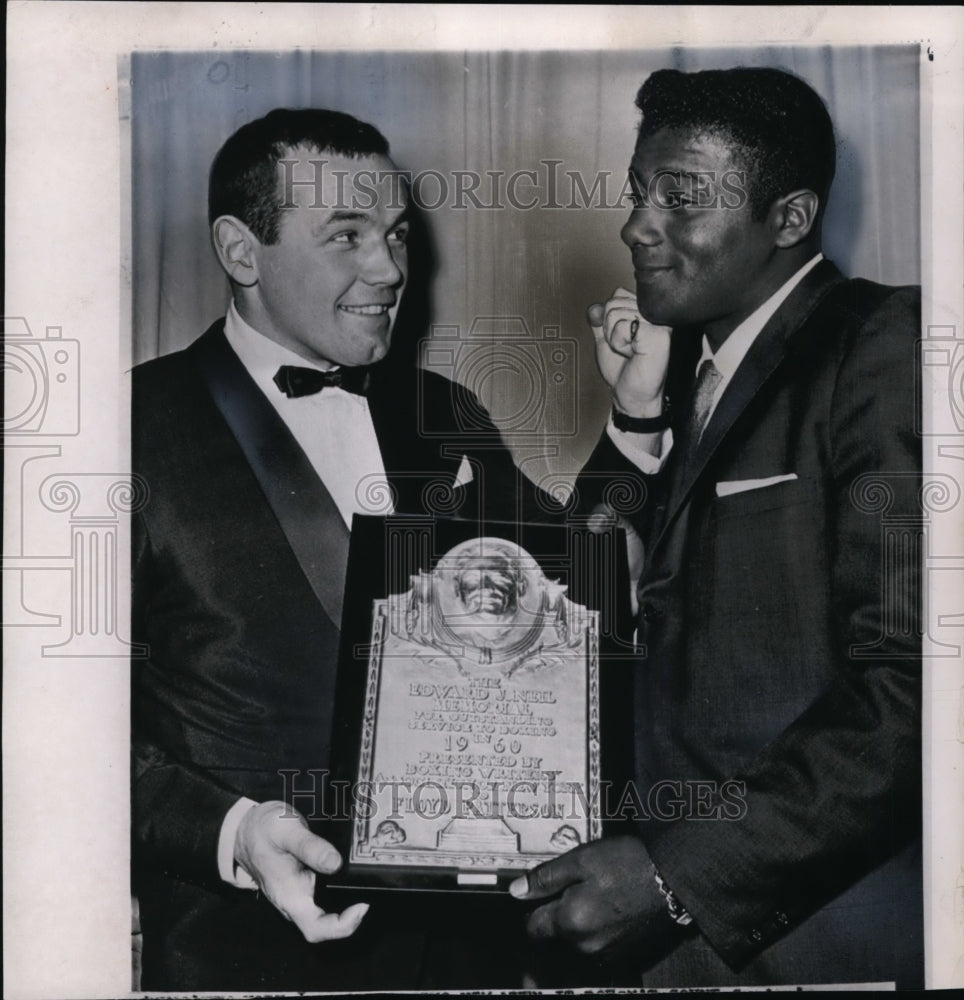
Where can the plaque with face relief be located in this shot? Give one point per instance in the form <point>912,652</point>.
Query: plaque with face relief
<point>478,748</point>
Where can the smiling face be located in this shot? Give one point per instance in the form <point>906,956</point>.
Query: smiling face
<point>329,289</point>
<point>700,259</point>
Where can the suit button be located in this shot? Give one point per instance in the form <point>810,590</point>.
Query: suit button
<point>756,935</point>
<point>781,918</point>
<point>650,613</point>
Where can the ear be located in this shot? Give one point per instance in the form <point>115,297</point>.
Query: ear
<point>794,217</point>
<point>236,247</point>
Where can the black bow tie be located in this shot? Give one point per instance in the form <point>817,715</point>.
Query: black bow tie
<point>294,381</point>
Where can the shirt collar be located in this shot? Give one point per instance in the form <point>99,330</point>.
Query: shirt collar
<point>734,349</point>
<point>261,355</point>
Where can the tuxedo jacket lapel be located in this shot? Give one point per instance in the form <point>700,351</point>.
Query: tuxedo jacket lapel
<point>420,462</point>
<point>765,356</point>
<point>308,516</point>
<point>305,510</point>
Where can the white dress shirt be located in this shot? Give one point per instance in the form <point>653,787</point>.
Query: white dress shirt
<point>333,427</point>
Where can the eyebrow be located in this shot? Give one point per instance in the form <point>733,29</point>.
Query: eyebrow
<point>637,176</point>
<point>349,215</point>
<point>345,215</point>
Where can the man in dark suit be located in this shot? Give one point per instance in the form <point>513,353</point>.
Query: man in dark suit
<point>764,405</point>
<point>257,444</point>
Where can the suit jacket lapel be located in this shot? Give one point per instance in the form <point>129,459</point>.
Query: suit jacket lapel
<point>303,506</point>
<point>416,458</point>
<point>763,358</point>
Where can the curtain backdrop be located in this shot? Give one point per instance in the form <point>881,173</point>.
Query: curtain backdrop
<point>510,284</point>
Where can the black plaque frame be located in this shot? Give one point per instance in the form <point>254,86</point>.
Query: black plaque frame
<point>384,554</point>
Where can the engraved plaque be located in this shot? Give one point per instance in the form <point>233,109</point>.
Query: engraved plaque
<point>479,750</point>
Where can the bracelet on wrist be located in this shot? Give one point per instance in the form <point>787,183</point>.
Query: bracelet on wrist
<point>642,425</point>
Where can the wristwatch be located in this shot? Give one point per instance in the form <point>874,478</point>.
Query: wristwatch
<point>642,425</point>
<point>676,909</point>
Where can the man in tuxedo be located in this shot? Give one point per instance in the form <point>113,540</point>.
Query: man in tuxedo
<point>764,407</point>
<point>257,444</point>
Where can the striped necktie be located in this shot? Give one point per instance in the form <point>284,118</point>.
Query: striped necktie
<point>707,382</point>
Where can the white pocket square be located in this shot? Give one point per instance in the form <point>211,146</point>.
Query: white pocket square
<point>464,476</point>
<point>742,485</point>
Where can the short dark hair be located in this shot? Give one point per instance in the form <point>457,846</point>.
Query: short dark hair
<point>777,125</point>
<point>244,175</point>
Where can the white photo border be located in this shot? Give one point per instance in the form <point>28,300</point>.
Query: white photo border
<point>66,718</point>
